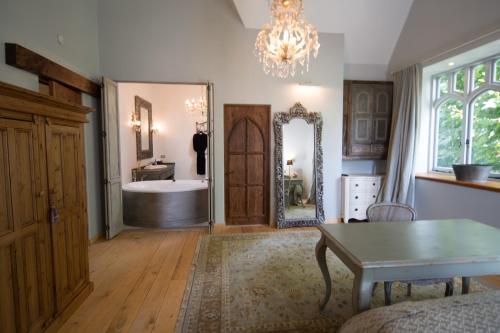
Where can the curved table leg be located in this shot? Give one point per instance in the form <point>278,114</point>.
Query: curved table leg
<point>465,285</point>
<point>361,293</point>
<point>321,258</point>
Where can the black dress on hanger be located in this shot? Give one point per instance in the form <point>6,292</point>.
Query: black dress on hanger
<point>199,146</point>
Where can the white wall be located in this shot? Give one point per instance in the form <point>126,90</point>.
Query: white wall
<point>201,40</point>
<point>433,27</point>
<point>175,136</point>
<point>439,201</point>
<point>35,25</point>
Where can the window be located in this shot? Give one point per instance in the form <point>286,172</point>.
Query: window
<point>466,108</point>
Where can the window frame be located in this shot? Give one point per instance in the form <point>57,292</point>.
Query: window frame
<point>467,98</point>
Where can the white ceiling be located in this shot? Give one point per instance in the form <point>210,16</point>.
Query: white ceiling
<point>371,28</point>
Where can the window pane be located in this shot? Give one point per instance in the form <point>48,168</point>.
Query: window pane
<point>449,135</point>
<point>459,81</point>
<point>497,70</point>
<point>443,84</point>
<point>479,75</point>
<point>486,130</point>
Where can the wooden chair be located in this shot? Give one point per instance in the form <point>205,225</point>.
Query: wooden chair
<point>395,212</point>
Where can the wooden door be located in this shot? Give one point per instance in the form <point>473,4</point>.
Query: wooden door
<point>246,163</point>
<point>26,298</point>
<point>111,151</point>
<point>67,201</point>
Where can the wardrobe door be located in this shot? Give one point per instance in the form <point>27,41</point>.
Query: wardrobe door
<point>67,210</point>
<point>26,298</point>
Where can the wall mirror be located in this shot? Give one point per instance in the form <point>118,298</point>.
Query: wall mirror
<point>299,167</point>
<point>144,138</point>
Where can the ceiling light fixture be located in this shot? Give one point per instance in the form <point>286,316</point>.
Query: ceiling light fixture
<point>287,40</point>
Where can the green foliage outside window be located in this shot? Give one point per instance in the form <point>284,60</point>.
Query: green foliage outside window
<point>443,84</point>
<point>479,75</point>
<point>460,81</point>
<point>497,70</point>
<point>450,117</point>
<point>486,130</point>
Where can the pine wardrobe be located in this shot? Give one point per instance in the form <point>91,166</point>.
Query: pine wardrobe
<point>44,270</point>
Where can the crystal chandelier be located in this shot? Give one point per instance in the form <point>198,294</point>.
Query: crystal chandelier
<point>287,40</point>
<point>196,107</point>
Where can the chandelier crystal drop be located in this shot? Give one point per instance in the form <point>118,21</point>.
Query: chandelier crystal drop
<point>196,107</point>
<point>288,40</point>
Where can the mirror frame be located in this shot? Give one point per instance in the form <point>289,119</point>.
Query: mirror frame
<point>143,154</point>
<point>280,118</point>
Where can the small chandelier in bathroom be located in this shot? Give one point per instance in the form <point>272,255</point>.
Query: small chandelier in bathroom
<point>287,40</point>
<point>196,107</point>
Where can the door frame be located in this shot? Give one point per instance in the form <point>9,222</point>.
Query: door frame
<point>211,134</point>
<point>267,203</point>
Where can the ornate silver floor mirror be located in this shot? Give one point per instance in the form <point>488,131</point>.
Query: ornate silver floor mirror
<point>298,159</point>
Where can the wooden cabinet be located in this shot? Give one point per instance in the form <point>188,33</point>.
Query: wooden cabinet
<point>367,119</point>
<point>43,222</point>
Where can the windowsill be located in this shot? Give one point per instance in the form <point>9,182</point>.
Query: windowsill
<point>490,185</point>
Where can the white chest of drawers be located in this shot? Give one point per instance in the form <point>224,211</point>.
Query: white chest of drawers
<point>358,192</point>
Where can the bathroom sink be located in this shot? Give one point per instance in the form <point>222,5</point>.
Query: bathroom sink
<point>154,167</point>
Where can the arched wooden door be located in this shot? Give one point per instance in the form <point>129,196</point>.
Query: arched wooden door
<point>246,164</point>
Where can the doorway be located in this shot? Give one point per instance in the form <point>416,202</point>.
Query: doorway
<point>150,131</point>
<point>246,164</point>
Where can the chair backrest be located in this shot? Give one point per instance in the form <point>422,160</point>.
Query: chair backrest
<point>390,212</point>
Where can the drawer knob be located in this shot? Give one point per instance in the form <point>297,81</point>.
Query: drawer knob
<point>373,184</point>
<point>355,197</point>
<point>355,209</point>
<point>373,196</point>
<point>357,185</point>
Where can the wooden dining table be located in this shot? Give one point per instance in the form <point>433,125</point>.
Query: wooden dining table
<point>398,251</point>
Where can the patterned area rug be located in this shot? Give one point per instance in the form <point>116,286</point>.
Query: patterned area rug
<point>270,282</point>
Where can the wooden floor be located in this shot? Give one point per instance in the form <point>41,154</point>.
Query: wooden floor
<point>139,279</point>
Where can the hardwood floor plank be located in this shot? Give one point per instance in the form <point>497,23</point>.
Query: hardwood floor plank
<point>112,285</point>
<point>167,316</point>
<point>148,314</point>
<point>128,311</point>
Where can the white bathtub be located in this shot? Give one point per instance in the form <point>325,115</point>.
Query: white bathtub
<point>165,203</point>
<point>160,186</point>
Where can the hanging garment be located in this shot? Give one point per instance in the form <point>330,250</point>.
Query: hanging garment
<point>199,146</point>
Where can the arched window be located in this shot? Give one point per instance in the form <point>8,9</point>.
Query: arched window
<point>466,106</point>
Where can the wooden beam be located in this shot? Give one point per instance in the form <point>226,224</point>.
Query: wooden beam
<point>21,57</point>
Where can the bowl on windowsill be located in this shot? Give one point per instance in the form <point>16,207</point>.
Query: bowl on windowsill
<point>477,173</point>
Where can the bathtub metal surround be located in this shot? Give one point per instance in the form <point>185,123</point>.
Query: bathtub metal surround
<point>165,203</point>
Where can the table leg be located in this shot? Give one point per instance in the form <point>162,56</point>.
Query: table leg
<point>465,285</point>
<point>361,293</point>
<point>321,258</point>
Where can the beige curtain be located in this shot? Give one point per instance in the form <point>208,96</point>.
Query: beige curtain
<point>399,182</point>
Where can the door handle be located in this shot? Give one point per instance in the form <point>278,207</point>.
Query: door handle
<point>53,213</point>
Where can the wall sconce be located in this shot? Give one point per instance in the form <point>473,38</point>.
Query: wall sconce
<point>155,129</point>
<point>135,123</point>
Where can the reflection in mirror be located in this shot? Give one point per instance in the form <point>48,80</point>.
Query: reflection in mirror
<point>144,117</point>
<point>298,159</point>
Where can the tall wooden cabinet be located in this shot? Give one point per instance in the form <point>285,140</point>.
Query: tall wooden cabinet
<point>43,216</point>
<point>367,119</point>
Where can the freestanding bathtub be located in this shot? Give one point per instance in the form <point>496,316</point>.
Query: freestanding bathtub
<point>165,203</point>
